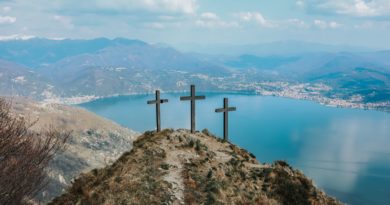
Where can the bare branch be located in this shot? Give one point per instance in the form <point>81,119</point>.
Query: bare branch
<point>24,156</point>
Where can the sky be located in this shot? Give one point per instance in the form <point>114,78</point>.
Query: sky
<point>201,22</point>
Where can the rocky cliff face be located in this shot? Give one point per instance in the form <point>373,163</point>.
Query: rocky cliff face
<point>177,167</point>
<point>95,142</point>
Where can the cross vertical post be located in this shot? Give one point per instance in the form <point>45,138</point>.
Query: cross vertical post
<point>158,117</point>
<point>192,98</point>
<point>192,109</point>
<point>158,101</point>
<point>226,109</point>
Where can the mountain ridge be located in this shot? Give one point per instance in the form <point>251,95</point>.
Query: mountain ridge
<point>36,52</point>
<point>123,66</point>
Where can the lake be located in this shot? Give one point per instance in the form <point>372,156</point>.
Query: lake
<point>345,151</point>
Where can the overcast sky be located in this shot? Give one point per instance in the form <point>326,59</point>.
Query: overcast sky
<point>177,22</point>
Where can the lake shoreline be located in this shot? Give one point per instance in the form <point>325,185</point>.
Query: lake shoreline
<point>327,102</point>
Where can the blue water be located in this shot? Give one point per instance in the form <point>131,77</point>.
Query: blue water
<point>345,151</point>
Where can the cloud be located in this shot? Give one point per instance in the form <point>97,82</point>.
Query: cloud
<point>16,37</point>
<point>7,19</point>
<point>357,8</point>
<point>211,20</point>
<point>300,3</point>
<point>365,25</point>
<point>6,9</point>
<point>65,21</point>
<point>321,24</point>
<point>334,24</point>
<point>179,6</point>
<point>297,23</point>
<point>372,25</point>
<point>155,25</point>
<point>107,6</point>
<point>164,24</point>
<point>256,17</point>
<point>209,15</point>
<point>166,18</point>
<point>325,25</point>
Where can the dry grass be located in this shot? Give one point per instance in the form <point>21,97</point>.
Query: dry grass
<point>210,172</point>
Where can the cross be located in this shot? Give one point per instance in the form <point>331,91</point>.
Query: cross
<point>158,101</point>
<point>192,98</point>
<point>226,109</point>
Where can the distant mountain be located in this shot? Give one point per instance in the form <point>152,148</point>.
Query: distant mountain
<point>347,73</point>
<point>125,69</point>
<point>177,167</point>
<point>136,56</point>
<point>100,67</point>
<point>260,62</point>
<point>366,74</point>
<point>16,79</point>
<point>94,142</point>
<point>277,48</point>
<point>38,52</point>
<point>53,69</point>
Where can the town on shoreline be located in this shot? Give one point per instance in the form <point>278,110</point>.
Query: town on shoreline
<point>299,91</point>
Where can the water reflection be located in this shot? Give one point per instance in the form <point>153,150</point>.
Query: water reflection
<point>342,157</point>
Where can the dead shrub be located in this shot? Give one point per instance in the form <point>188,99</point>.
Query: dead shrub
<point>24,156</point>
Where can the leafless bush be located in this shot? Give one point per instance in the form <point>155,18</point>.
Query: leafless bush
<point>24,156</point>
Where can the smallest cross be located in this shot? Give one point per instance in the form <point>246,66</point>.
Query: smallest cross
<point>158,101</point>
<point>226,109</point>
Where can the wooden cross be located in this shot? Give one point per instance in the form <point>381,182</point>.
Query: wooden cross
<point>192,98</point>
<point>226,109</point>
<point>158,101</point>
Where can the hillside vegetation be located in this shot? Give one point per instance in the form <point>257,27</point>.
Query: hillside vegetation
<point>94,142</point>
<point>177,167</point>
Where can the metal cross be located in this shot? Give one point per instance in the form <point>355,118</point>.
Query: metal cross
<point>226,109</point>
<point>192,98</point>
<point>158,101</point>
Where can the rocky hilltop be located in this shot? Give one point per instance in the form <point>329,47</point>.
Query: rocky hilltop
<point>177,167</point>
<point>95,142</point>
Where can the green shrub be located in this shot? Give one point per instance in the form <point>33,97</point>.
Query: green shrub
<point>198,145</point>
<point>164,166</point>
<point>282,163</point>
<point>191,143</point>
<point>210,174</point>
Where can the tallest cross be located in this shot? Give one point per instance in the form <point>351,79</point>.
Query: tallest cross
<point>193,98</point>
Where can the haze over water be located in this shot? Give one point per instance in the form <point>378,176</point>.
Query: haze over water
<point>345,151</point>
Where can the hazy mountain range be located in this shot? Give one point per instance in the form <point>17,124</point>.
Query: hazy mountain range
<point>288,47</point>
<point>43,68</point>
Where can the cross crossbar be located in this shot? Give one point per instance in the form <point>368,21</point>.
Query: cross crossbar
<point>225,110</point>
<point>158,101</point>
<point>192,98</point>
<point>155,102</point>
